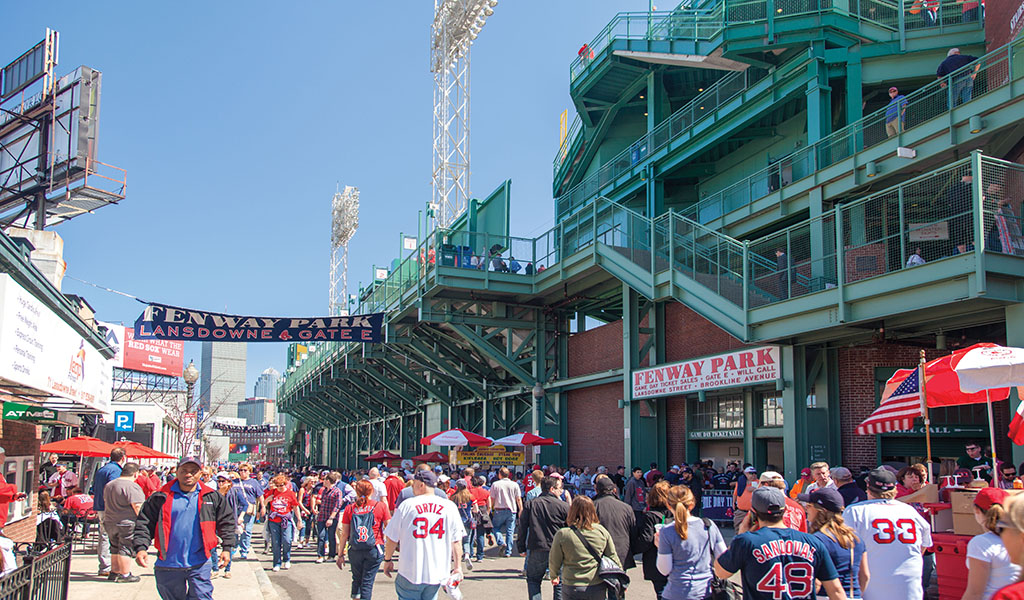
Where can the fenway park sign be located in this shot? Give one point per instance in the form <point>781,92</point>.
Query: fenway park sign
<point>744,367</point>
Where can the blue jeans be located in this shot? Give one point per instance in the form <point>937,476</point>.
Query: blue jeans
<point>281,533</point>
<point>325,540</point>
<point>364,565</point>
<point>963,89</point>
<point>481,540</point>
<point>415,591</point>
<point>184,584</point>
<point>536,567</point>
<point>308,527</point>
<point>215,562</point>
<point>246,538</point>
<point>504,521</point>
<point>467,540</point>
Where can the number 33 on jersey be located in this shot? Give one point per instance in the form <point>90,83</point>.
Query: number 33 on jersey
<point>894,536</point>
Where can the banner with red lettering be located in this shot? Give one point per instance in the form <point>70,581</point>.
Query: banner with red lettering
<point>743,367</point>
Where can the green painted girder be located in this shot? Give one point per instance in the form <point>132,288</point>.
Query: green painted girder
<point>428,314</point>
<point>368,387</point>
<point>450,367</point>
<point>350,381</point>
<point>414,378</point>
<point>480,367</point>
<point>392,385</point>
<point>494,353</point>
<point>671,284</point>
<point>340,399</point>
<point>320,415</point>
<point>318,397</point>
<point>949,284</point>
<point>934,141</point>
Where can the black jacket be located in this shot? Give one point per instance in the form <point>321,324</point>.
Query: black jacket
<point>542,517</point>
<point>643,540</point>
<point>216,519</point>
<point>617,517</point>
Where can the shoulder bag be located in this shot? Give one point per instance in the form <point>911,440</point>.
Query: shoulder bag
<point>720,589</point>
<point>607,569</point>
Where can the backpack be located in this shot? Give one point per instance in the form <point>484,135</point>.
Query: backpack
<point>360,536</point>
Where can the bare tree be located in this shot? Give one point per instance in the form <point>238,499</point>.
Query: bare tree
<point>182,416</point>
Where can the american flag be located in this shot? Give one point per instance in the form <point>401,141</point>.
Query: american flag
<point>901,404</point>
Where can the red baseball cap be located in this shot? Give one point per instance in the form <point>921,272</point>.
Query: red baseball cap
<point>805,472</point>
<point>989,496</point>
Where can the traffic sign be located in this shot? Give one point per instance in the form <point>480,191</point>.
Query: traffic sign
<point>124,420</point>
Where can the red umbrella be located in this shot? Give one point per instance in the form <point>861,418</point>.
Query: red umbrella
<point>525,439</point>
<point>81,445</point>
<point>384,455</point>
<point>431,457</point>
<point>137,450</point>
<point>456,437</point>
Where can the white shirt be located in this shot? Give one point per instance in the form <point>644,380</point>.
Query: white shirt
<point>894,535</point>
<point>10,563</point>
<point>380,491</point>
<point>814,485</point>
<point>988,548</point>
<point>426,527</point>
<point>504,493</point>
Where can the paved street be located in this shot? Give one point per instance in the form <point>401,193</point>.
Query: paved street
<point>494,578</point>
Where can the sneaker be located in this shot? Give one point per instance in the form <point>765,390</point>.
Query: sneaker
<point>287,565</point>
<point>227,575</point>
<point>214,574</point>
<point>319,560</point>
<point>103,573</point>
<point>129,578</point>
<point>469,564</point>
<point>276,569</point>
<point>112,576</point>
<point>243,557</point>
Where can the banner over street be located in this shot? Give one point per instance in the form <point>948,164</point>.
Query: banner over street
<point>163,322</point>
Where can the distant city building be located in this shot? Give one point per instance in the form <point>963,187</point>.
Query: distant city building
<point>266,384</point>
<point>222,380</point>
<point>258,411</point>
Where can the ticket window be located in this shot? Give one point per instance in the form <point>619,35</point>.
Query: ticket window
<point>720,452</point>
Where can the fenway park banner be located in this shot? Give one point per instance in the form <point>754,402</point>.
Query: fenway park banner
<point>163,322</point>
<point>743,367</point>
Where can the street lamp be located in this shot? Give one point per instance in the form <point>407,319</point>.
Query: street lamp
<point>191,376</point>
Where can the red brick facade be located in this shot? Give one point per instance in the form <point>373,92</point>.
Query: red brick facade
<point>595,426</point>
<point>19,440</point>
<point>689,335</point>
<point>675,415</point>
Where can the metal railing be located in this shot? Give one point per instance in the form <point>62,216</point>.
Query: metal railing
<point>990,72</point>
<point>570,138</point>
<point>42,577</point>
<point>702,106</point>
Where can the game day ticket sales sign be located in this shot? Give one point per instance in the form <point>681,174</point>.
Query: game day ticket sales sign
<point>743,367</point>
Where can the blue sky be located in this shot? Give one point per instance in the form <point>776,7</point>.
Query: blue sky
<point>236,120</point>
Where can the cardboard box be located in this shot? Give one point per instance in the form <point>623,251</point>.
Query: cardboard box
<point>964,524</point>
<point>928,493</point>
<point>963,501</point>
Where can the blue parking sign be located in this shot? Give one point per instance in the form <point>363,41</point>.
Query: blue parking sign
<point>124,420</point>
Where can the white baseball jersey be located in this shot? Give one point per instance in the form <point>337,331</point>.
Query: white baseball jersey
<point>380,491</point>
<point>426,527</point>
<point>894,535</point>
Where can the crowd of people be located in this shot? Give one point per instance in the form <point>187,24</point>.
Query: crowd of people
<point>583,533</point>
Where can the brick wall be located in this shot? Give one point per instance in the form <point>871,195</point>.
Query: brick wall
<point>857,396</point>
<point>689,335</point>
<point>19,440</point>
<point>595,426</point>
<point>675,416</point>
<point>595,350</point>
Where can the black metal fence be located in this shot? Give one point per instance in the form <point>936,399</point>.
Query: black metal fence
<point>44,576</point>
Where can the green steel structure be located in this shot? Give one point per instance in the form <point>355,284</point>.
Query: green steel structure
<point>740,158</point>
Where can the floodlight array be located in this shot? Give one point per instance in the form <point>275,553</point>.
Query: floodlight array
<point>344,222</point>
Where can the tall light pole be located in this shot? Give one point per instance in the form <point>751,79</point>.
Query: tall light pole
<point>456,24</point>
<point>344,222</point>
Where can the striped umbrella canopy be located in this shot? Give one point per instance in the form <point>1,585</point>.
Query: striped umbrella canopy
<point>525,439</point>
<point>456,437</point>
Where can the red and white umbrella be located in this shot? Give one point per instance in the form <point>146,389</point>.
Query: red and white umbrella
<point>456,437</point>
<point>988,366</point>
<point>525,439</point>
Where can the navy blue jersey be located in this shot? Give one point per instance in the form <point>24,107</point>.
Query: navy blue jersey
<point>778,563</point>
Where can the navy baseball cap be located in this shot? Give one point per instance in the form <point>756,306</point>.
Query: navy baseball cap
<point>190,459</point>
<point>881,480</point>
<point>827,498</point>
<point>427,477</point>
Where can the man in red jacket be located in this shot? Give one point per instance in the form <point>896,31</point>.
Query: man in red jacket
<point>8,493</point>
<point>183,519</point>
<point>394,485</point>
<point>148,481</point>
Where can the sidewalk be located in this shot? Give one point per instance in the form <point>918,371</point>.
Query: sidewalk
<point>248,582</point>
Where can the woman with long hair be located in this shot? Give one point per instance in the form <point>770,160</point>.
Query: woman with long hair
<point>470,514</point>
<point>571,557</point>
<point>281,506</point>
<point>825,514</point>
<point>238,504</point>
<point>362,526</point>
<point>308,510</point>
<point>988,562</point>
<point>657,516</point>
<point>685,549</point>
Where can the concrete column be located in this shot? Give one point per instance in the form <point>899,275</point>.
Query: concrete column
<point>819,97</point>
<point>791,438</point>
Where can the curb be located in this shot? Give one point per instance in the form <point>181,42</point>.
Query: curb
<point>266,588</point>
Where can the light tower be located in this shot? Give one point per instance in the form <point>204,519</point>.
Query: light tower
<point>344,222</point>
<point>456,25</point>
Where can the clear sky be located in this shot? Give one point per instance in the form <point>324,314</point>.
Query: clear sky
<point>236,120</point>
